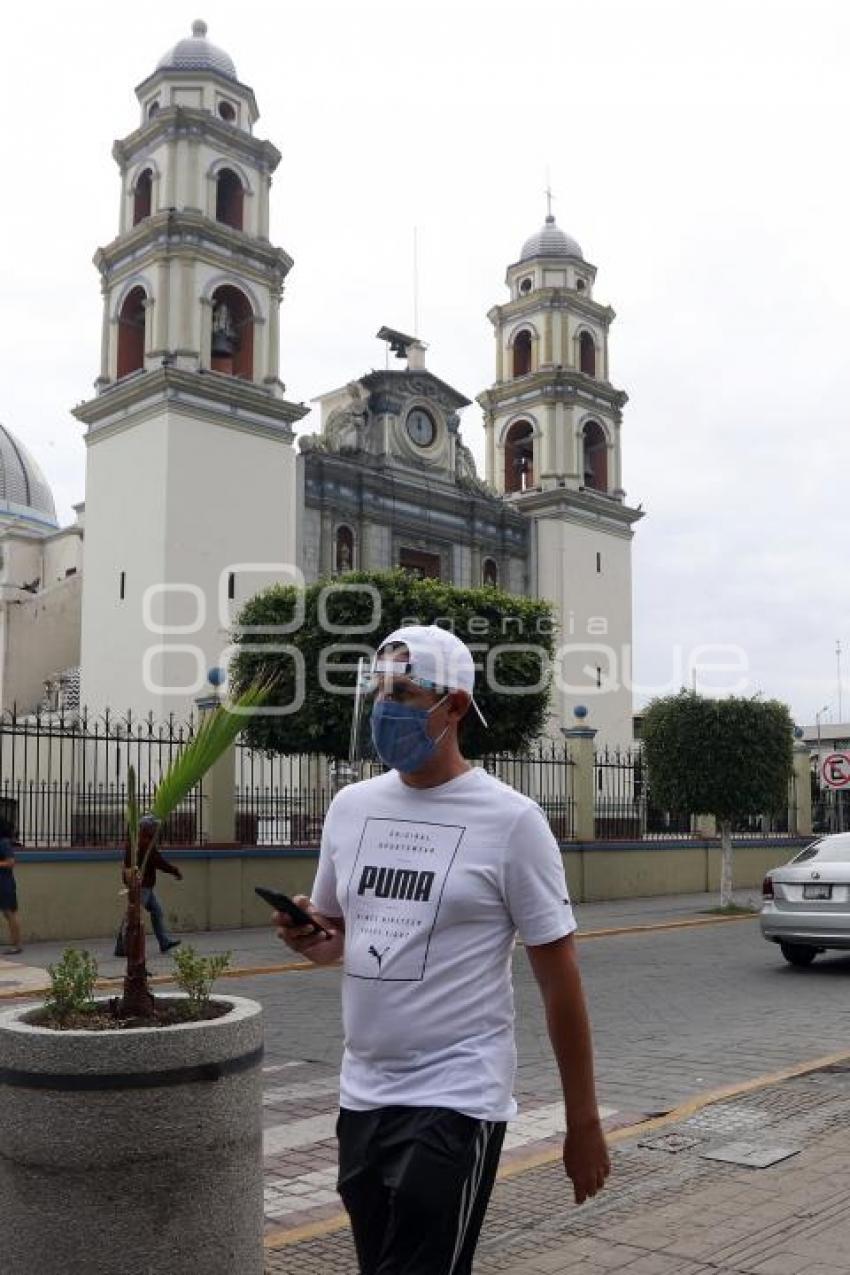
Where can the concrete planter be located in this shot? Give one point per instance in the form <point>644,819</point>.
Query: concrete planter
<point>134,1151</point>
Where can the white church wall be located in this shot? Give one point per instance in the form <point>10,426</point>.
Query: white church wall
<point>594,614</point>
<point>21,560</point>
<point>239,516</point>
<point>42,639</point>
<point>125,532</point>
<point>233,512</point>
<point>63,555</point>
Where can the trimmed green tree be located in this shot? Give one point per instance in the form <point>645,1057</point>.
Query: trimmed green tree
<point>309,642</point>
<point>731,758</point>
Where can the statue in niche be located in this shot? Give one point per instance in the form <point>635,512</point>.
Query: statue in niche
<point>343,551</point>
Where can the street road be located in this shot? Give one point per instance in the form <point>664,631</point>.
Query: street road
<point>674,1012</point>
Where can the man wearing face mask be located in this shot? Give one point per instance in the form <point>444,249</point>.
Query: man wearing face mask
<point>427,873</point>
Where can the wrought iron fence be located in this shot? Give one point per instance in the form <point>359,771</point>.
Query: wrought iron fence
<point>283,800</point>
<point>63,777</point>
<point>625,809</point>
<point>63,782</point>
<point>546,774</point>
<point>831,811</point>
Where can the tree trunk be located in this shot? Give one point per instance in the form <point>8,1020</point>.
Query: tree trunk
<point>726,862</point>
<point>137,1001</point>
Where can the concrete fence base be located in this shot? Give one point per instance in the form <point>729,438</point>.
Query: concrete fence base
<point>133,1151</point>
<point>217,892</point>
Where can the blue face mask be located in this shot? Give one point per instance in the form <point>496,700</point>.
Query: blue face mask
<point>400,735</point>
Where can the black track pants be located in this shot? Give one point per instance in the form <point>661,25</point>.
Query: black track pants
<point>416,1182</point>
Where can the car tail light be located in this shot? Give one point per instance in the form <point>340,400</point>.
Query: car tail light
<point>767,888</point>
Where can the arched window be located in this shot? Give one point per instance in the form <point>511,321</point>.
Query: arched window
<point>131,333</point>
<point>519,457</point>
<point>587,354</point>
<point>522,353</point>
<point>489,573</point>
<point>595,457</point>
<point>142,196</point>
<point>232,345</point>
<point>344,550</point>
<point>229,198</point>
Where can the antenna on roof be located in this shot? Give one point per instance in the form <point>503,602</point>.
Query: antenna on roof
<point>416,281</point>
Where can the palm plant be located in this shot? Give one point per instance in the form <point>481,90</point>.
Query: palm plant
<point>214,736</point>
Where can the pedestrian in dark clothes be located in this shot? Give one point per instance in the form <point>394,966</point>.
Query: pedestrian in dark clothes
<point>8,888</point>
<point>154,862</point>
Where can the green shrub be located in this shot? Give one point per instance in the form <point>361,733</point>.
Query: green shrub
<point>72,983</point>
<point>196,975</point>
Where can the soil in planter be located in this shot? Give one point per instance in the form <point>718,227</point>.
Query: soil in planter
<point>102,1017</point>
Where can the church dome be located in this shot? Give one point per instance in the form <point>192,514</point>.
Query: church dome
<point>550,241</point>
<point>24,493</point>
<point>197,54</point>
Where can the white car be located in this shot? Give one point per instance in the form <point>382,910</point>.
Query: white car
<point>806,903</point>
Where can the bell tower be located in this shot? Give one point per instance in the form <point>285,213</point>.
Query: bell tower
<point>190,468</point>
<point>552,423</point>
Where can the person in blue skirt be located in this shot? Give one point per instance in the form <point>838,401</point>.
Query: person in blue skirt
<point>8,889</point>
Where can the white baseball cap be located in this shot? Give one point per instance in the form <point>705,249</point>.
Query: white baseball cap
<point>436,659</point>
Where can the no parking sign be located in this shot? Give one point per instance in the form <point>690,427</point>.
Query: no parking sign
<point>835,770</point>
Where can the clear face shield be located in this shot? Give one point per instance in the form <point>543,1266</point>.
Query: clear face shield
<point>383,671</point>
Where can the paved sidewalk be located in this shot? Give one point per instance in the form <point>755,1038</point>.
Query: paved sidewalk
<point>669,1210</point>
<point>257,947</point>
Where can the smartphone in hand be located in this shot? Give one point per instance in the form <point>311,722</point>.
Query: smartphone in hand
<point>283,903</point>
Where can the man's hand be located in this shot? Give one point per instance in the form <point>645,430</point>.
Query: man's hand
<point>586,1160</point>
<point>304,940</point>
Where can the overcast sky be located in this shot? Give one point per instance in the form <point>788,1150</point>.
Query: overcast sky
<point>697,152</point>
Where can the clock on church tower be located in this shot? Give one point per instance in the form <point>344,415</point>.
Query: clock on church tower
<point>420,427</point>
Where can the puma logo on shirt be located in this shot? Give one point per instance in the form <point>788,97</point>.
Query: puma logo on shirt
<point>396,883</point>
<point>379,956</point>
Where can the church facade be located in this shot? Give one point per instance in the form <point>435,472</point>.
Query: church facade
<point>388,482</point>
<point>196,494</point>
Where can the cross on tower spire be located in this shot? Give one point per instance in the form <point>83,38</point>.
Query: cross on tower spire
<point>549,198</point>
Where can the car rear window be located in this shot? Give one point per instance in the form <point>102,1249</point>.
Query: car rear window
<point>827,850</point>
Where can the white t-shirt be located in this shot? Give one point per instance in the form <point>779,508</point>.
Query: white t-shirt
<point>434,885</point>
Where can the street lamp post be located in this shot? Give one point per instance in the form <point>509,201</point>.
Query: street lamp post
<point>818,715</point>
